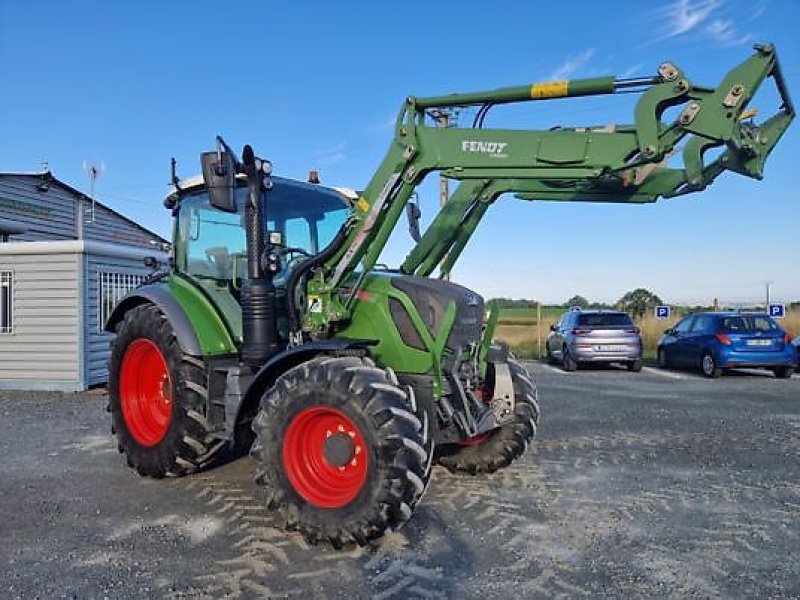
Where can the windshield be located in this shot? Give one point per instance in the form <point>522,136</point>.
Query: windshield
<point>604,320</point>
<point>214,242</point>
<point>747,323</point>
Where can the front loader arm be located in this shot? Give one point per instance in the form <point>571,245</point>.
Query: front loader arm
<point>607,164</point>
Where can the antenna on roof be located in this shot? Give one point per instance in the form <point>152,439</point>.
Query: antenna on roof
<point>93,171</point>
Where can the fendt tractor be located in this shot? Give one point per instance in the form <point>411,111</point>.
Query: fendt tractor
<point>272,329</point>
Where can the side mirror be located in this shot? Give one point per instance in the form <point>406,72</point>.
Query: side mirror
<point>219,175</point>
<point>669,332</point>
<point>553,327</point>
<point>413,213</point>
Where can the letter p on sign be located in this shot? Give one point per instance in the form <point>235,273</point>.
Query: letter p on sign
<point>777,311</point>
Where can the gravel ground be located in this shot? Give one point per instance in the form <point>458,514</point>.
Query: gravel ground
<point>640,484</point>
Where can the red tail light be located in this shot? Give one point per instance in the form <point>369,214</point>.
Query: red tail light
<point>724,339</point>
<point>787,339</point>
<point>579,331</point>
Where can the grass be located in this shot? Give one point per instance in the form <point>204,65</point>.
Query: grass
<point>518,328</point>
<point>530,313</point>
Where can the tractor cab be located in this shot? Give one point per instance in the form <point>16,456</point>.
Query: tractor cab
<point>210,243</point>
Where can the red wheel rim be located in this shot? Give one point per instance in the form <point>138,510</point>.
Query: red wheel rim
<point>474,441</point>
<point>309,466</point>
<point>145,390</point>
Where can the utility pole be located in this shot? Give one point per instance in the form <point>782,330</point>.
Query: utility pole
<point>443,121</point>
<point>443,117</point>
<point>538,330</point>
<point>768,285</point>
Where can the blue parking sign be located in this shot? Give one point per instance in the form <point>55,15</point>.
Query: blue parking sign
<point>662,312</point>
<point>777,311</point>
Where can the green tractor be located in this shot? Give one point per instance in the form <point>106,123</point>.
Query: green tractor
<point>273,330</point>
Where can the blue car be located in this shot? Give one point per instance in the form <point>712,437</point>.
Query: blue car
<point>715,341</point>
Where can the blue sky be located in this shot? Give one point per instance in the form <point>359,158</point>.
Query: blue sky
<point>315,85</point>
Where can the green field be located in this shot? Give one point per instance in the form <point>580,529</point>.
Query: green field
<point>518,327</point>
<point>548,312</point>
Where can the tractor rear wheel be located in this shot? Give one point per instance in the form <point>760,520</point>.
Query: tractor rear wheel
<point>344,452</point>
<point>157,398</point>
<point>499,448</point>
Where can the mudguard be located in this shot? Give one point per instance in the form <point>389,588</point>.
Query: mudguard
<point>280,363</point>
<point>166,303</point>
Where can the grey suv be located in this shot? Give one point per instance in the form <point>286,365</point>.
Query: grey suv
<point>594,336</point>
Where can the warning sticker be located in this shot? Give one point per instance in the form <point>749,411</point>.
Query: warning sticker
<point>314,304</point>
<point>362,204</point>
<point>551,89</point>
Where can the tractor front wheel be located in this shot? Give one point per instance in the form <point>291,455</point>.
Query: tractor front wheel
<point>344,452</point>
<point>497,449</point>
<point>157,398</point>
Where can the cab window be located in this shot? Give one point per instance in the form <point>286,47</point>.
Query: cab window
<point>213,239</point>
<point>214,242</point>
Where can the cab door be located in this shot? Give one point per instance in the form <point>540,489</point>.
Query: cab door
<point>213,255</point>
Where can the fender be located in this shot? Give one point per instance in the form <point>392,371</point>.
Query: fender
<point>282,362</point>
<point>166,303</point>
<point>198,326</point>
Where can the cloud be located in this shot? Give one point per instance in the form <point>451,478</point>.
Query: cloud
<point>383,126</point>
<point>572,64</point>
<point>711,20</point>
<point>685,15</point>
<point>632,71</point>
<point>335,154</point>
<point>725,34</point>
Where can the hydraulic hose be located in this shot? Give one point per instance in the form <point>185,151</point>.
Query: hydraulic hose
<point>303,268</point>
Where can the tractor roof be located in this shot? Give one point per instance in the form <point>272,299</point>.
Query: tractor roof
<point>196,183</point>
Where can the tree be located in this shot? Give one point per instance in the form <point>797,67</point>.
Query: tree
<point>638,302</point>
<point>577,300</point>
<point>511,303</point>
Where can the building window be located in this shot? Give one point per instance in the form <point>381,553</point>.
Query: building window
<point>6,302</point>
<point>113,288</point>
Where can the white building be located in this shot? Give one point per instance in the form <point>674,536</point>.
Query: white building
<point>64,263</point>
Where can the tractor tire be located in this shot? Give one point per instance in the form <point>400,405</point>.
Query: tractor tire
<point>499,448</point>
<point>157,398</point>
<point>344,451</point>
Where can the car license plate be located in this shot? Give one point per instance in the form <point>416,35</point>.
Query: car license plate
<point>759,342</point>
<point>609,348</point>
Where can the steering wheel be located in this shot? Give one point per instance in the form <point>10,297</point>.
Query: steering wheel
<point>294,250</point>
<point>289,252</point>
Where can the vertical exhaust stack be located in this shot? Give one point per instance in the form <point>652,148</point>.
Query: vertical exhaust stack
<point>259,319</point>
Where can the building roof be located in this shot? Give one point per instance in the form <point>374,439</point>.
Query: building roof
<point>47,178</point>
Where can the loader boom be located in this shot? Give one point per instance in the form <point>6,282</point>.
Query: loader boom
<point>625,164</point>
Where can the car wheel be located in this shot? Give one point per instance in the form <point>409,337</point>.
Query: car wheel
<point>551,360</point>
<point>567,361</point>
<point>663,362</point>
<point>709,366</point>
<point>783,372</point>
<point>635,365</point>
